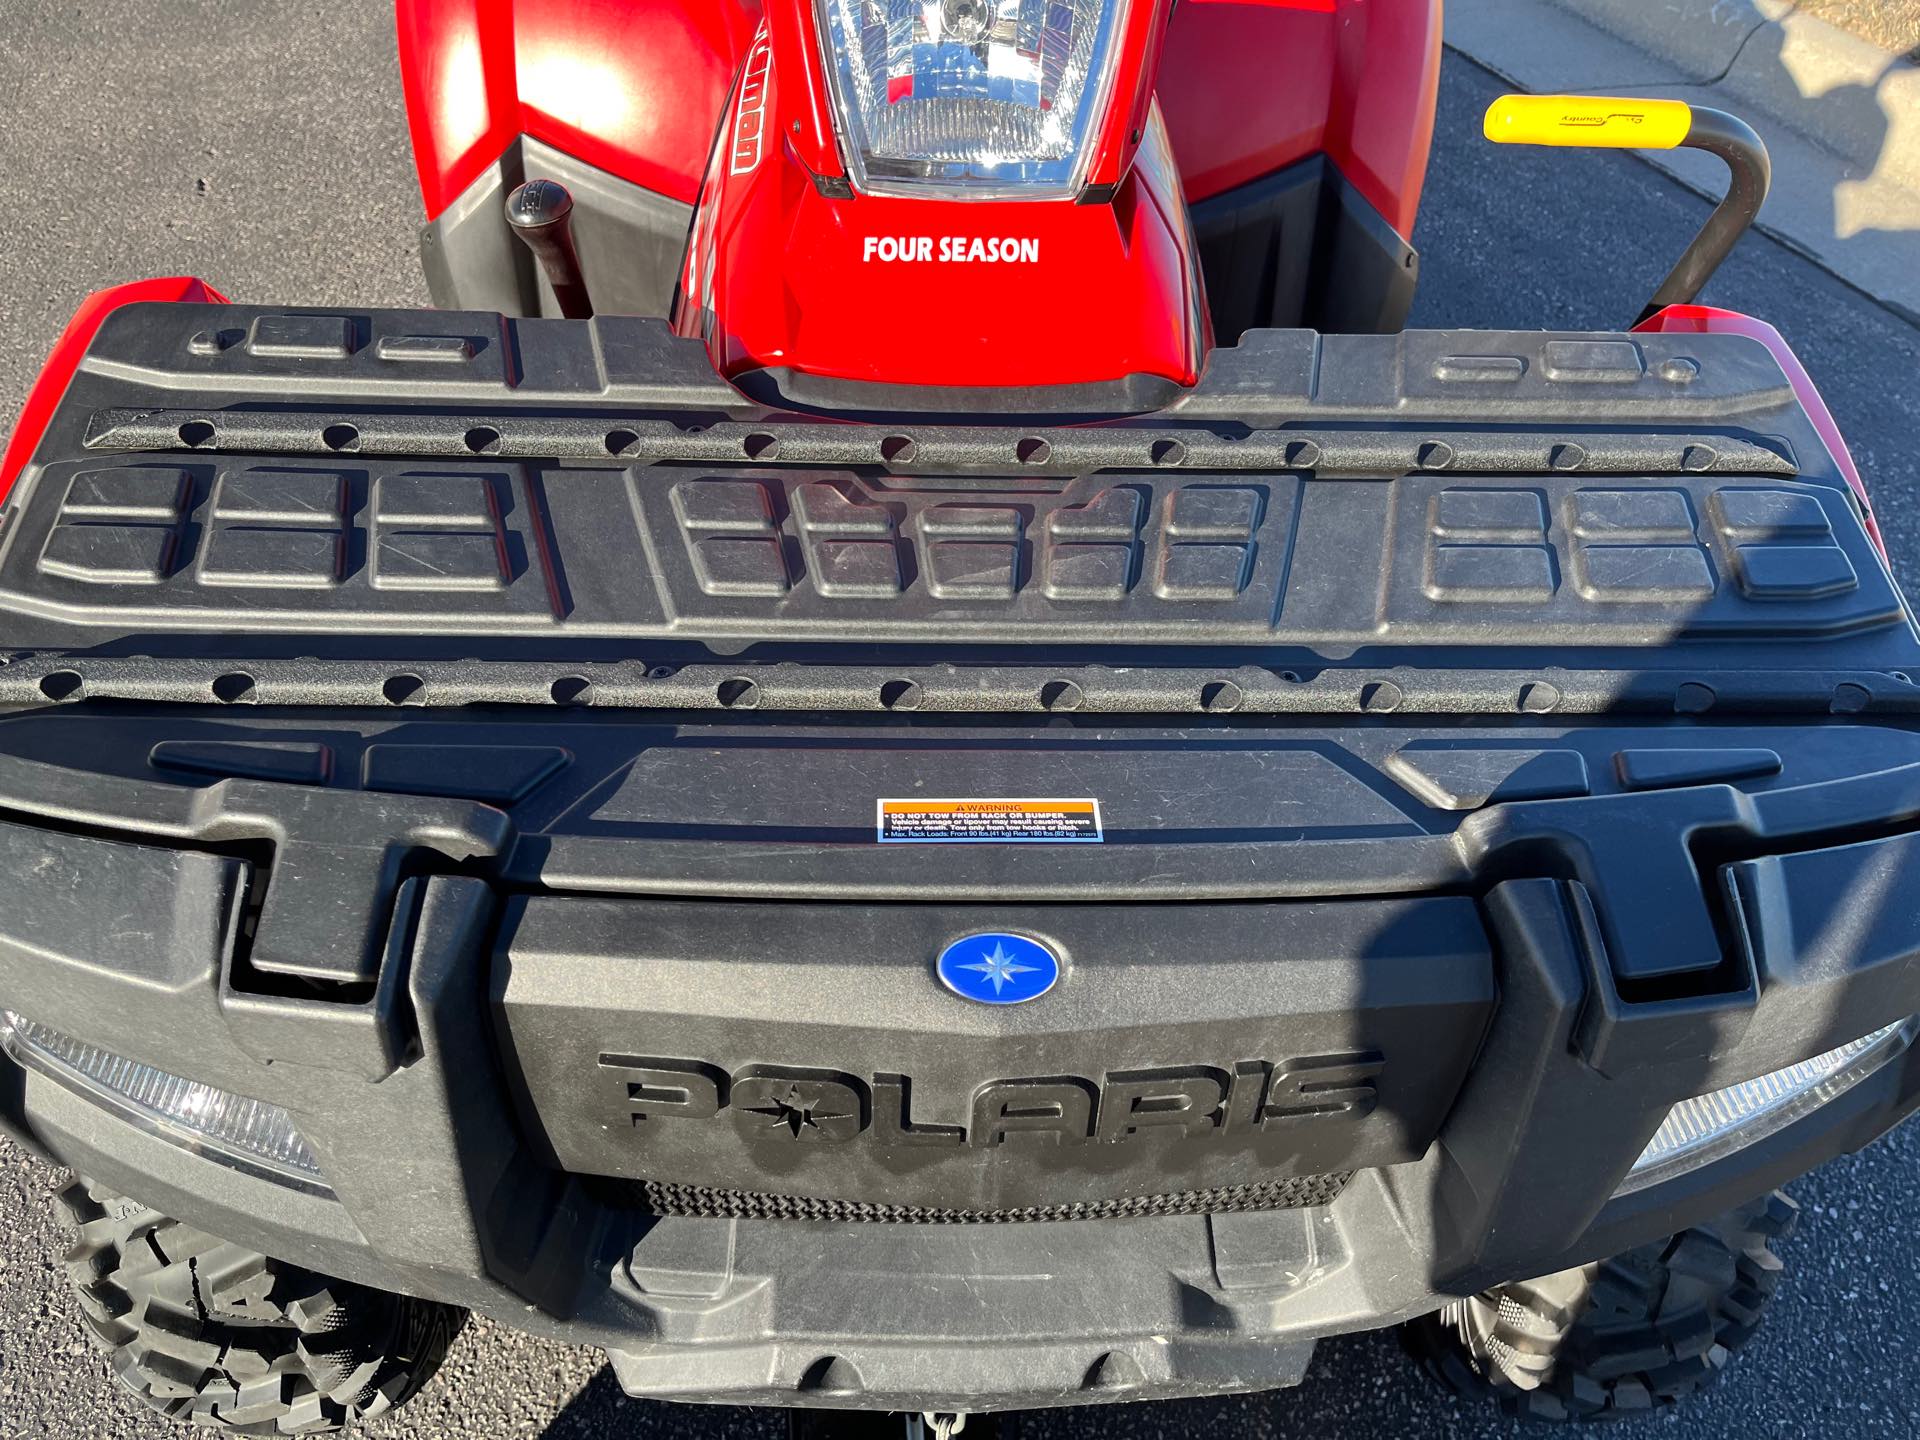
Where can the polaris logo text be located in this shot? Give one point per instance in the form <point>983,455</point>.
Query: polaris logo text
<point>787,1103</point>
<point>952,249</point>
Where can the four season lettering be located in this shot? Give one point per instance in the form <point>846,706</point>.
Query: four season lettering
<point>952,249</point>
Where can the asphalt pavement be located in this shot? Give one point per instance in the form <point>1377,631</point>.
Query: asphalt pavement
<point>260,144</point>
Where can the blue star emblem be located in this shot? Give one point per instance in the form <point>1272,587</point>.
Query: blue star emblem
<point>998,968</point>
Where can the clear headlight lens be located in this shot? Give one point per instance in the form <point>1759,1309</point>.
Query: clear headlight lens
<point>986,97</point>
<point>1701,1130</point>
<point>248,1135</point>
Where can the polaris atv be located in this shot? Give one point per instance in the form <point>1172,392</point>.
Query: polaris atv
<point>908,764</point>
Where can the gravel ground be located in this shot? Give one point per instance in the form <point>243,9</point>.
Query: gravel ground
<point>1890,24</point>
<point>274,164</point>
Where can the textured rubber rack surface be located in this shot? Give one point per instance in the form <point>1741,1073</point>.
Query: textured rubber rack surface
<point>911,448</point>
<point>244,505</point>
<point>789,686</point>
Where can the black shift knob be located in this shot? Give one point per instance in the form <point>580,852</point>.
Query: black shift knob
<point>538,204</point>
<point>540,212</point>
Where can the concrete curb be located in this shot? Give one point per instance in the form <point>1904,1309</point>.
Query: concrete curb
<point>1841,116</point>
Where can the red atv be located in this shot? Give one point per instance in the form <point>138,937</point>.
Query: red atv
<point>907,763</point>
<point>1301,129</point>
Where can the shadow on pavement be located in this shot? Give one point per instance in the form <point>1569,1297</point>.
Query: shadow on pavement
<point>601,1411</point>
<point>1859,111</point>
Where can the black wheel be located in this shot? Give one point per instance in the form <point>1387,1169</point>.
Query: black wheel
<point>219,1335</point>
<point>1618,1338</point>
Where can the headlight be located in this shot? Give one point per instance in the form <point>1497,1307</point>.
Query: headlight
<point>248,1135</point>
<point>982,97</point>
<point>1701,1130</point>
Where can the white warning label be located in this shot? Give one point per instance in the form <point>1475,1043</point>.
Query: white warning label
<point>989,822</point>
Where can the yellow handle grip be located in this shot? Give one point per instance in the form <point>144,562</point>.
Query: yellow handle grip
<point>1594,121</point>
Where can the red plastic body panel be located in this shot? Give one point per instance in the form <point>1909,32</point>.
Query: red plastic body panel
<point>1138,57</point>
<point>51,384</point>
<point>463,109</point>
<point>1250,86</point>
<point>1231,118</point>
<point>802,108</point>
<point>1101,291</point>
<point>634,87</point>
<point>1709,320</point>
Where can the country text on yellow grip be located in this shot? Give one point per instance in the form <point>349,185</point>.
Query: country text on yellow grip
<point>1588,120</point>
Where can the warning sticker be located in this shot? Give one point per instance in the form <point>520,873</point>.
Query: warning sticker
<point>989,822</point>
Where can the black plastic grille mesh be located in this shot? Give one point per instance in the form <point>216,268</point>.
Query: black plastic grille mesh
<point>666,1199</point>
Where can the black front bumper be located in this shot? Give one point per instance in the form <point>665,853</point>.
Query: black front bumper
<point>465,734</point>
<point>435,1121</point>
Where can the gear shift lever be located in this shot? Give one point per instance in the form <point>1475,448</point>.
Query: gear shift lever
<point>541,214</point>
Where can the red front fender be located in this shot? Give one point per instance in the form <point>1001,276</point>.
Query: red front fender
<point>1710,320</point>
<point>65,358</point>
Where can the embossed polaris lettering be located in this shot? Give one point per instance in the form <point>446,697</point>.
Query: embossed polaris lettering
<point>780,1103</point>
